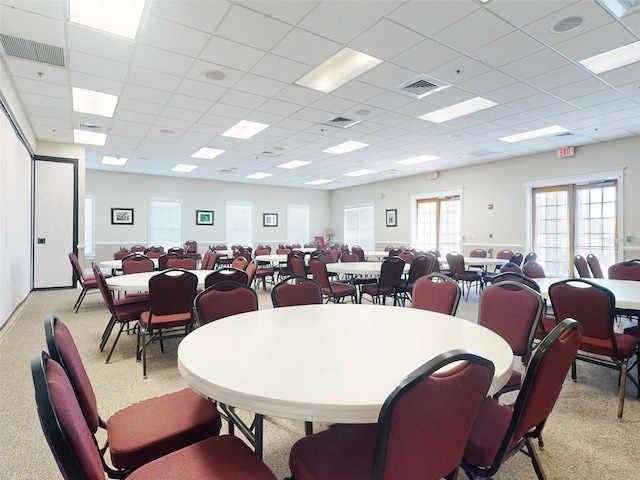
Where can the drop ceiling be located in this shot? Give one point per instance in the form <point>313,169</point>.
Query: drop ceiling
<point>168,108</point>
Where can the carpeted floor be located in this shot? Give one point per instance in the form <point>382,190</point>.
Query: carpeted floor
<point>583,438</point>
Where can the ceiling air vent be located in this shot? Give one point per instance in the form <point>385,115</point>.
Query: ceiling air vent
<point>565,134</point>
<point>90,127</point>
<point>342,122</point>
<point>421,86</point>
<point>30,50</point>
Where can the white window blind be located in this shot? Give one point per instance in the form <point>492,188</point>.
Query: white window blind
<point>165,223</point>
<point>238,224</point>
<point>359,227</point>
<point>89,242</point>
<point>297,224</point>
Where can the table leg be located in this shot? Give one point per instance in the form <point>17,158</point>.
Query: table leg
<point>253,432</point>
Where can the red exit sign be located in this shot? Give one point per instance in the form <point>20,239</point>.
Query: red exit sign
<point>565,152</point>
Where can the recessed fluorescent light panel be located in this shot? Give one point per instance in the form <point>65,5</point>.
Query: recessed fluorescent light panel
<point>259,176</point>
<point>458,110</point>
<point>345,147</point>
<point>114,161</point>
<point>208,153</point>
<point>184,168</point>
<point>414,160</point>
<point>320,181</point>
<point>89,138</point>
<point>359,173</point>
<point>541,132</point>
<point>616,58</point>
<point>245,129</point>
<point>95,103</point>
<point>344,66</point>
<point>294,164</point>
<point>120,17</point>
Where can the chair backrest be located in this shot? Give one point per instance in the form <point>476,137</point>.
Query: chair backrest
<point>210,263</point>
<point>309,245</point>
<point>120,254</point>
<point>297,265</point>
<point>172,292</point>
<point>512,310</point>
<point>348,257</point>
<point>419,267</point>
<point>177,250</point>
<point>510,267</point>
<point>138,249</point>
<point>530,257</point>
<point>394,252</point>
<point>391,272</point>
<point>319,272</point>
<point>424,424</point>
<point>628,270</point>
<point>137,264</point>
<point>296,290</point>
<point>154,252</point>
<point>319,240</point>
<point>229,274</point>
<point>437,293</point>
<point>456,264</point>
<point>104,288</point>
<point>359,252</point>
<point>543,379</point>
<point>478,253</point>
<point>62,348</point>
<point>533,269</point>
<point>388,248</point>
<point>251,269</point>
<point>594,266</point>
<point>182,261</point>
<point>296,245</point>
<point>328,256</point>
<point>191,247</point>
<point>77,270</point>
<point>407,256</point>
<point>582,266</point>
<point>590,304</point>
<point>434,266</point>
<point>224,299</point>
<point>264,250</point>
<point>516,258</point>
<point>164,259</point>
<point>504,254</point>
<point>240,262</point>
<point>62,422</point>
<point>516,277</point>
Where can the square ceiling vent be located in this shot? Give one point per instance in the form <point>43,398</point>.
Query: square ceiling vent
<point>342,122</point>
<point>421,86</point>
<point>30,50</point>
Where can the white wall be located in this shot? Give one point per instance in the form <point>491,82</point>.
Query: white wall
<point>500,183</point>
<point>119,190</point>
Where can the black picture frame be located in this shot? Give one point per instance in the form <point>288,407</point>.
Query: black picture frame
<point>204,217</point>
<point>269,219</point>
<point>122,216</point>
<point>392,217</point>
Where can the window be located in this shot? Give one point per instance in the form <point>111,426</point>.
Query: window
<point>165,223</point>
<point>437,224</point>
<point>359,227</point>
<point>297,224</point>
<point>574,219</point>
<point>89,241</point>
<point>238,224</point>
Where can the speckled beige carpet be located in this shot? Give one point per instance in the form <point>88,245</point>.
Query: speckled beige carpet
<point>583,438</point>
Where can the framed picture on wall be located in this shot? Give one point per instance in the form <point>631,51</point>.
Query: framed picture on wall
<point>392,220</point>
<point>122,216</point>
<point>269,219</point>
<point>204,217</point>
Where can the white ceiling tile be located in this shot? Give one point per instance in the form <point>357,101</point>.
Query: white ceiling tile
<point>280,68</point>
<point>507,49</point>
<point>289,12</point>
<point>228,53</point>
<point>35,70</point>
<point>305,47</point>
<point>171,36</point>
<point>251,28</point>
<point>96,83</point>
<point>397,40</point>
<point>535,64</point>
<point>101,44</point>
<point>92,65</point>
<point>428,18</point>
<point>596,41</point>
<point>161,60</point>
<point>22,24</point>
<point>206,90</point>
<point>204,16</point>
<point>154,79</point>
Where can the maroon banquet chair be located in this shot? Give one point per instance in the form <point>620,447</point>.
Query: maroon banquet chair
<point>421,432</point>
<point>227,274</point>
<point>223,299</point>
<point>169,422</point>
<point>627,270</point>
<point>533,269</point>
<point>78,456</point>
<point>582,267</point>
<point>391,272</point>
<point>336,291</point>
<point>594,266</point>
<point>594,307</point>
<point>182,261</point>
<point>501,431</point>
<point>296,290</point>
<point>123,310</point>
<point>459,272</point>
<point>437,293</point>
<point>88,283</point>
<point>419,267</point>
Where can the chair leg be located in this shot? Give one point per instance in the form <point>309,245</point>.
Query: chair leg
<point>623,383</point>
<point>80,299</point>
<point>107,332</point>
<point>113,347</point>
<point>535,460</point>
<point>308,428</point>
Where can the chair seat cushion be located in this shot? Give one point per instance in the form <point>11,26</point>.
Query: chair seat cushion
<point>376,290</point>
<point>217,458</point>
<point>340,289</point>
<point>152,428</point>
<point>487,433</point>
<point>164,321</point>
<point>343,452</point>
<point>130,308</point>
<point>626,345</point>
<point>635,331</point>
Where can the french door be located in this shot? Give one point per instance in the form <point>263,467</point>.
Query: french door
<point>438,224</point>
<point>571,220</point>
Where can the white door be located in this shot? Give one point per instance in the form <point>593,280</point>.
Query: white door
<point>54,222</point>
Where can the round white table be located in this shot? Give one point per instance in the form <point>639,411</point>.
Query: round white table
<point>330,363</point>
<point>359,268</point>
<point>272,257</point>
<point>627,292</point>
<point>139,282</point>
<point>117,264</point>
